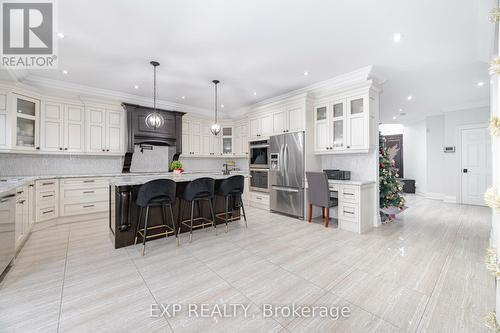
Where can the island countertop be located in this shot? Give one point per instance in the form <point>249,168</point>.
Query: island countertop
<point>187,177</point>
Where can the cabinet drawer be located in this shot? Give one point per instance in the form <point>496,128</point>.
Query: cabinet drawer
<point>46,198</point>
<point>349,212</point>
<point>46,213</point>
<point>70,196</point>
<point>84,208</point>
<point>258,197</point>
<point>84,182</point>
<point>48,184</point>
<point>349,194</point>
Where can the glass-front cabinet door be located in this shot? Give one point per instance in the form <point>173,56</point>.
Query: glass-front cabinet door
<point>27,115</point>
<point>338,125</point>
<point>227,140</point>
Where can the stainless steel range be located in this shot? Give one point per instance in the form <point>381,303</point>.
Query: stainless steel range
<point>286,173</point>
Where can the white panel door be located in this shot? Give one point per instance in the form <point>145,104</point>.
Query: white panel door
<point>279,122</point>
<point>266,125</point>
<point>476,164</point>
<point>52,127</point>
<point>74,129</point>
<point>255,128</point>
<point>114,131</point>
<point>96,130</point>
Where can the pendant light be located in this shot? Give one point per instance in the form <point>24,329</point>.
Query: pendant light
<point>154,120</point>
<point>215,129</point>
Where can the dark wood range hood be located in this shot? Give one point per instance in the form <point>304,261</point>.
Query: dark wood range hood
<point>138,133</point>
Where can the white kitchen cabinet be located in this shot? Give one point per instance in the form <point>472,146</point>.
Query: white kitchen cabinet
<point>4,121</point>
<point>114,131</point>
<point>344,125</point>
<point>52,126</point>
<point>46,199</point>
<point>241,139</point>
<point>80,196</point>
<point>227,148</point>
<point>296,118</point>
<point>261,126</point>
<point>280,121</point>
<point>254,127</point>
<point>62,127</point>
<point>27,122</point>
<point>24,213</point>
<point>96,129</point>
<point>74,128</point>
<point>267,125</point>
<point>105,130</point>
<point>322,128</point>
<point>195,143</point>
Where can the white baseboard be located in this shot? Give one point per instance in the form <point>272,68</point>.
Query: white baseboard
<point>450,199</point>
<point>434,196</point>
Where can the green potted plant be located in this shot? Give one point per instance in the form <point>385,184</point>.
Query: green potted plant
<point>176,166</point>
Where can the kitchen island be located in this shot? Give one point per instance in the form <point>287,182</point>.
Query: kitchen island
<point>123,212</point>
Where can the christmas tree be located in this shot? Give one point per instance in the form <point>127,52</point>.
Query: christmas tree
<point>390,187</point>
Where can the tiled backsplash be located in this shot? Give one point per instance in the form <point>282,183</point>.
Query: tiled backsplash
<point>148,161</point>
<point>362,166</point>
<point>34,165</point>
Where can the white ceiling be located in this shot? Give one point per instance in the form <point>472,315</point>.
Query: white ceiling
<point>266,45</point>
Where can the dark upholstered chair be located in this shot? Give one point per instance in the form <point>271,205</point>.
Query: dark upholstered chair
<point>156,193</point>
<point>319,194</point>
<point>231,189</point>
<point>201,189</point>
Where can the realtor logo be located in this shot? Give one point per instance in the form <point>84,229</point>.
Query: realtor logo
<point>28,35</point>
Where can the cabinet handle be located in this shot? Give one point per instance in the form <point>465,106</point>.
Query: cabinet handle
<point>20,192</point>
<point>47,196</point>
<point>65,148</point>
<point>347,193</point>
<point>347,212</point>
<point>38,148</point>
<point>60,149</point>
<point>88,192</point>
<point>348,146</point>
<point>48,211</point>
<point>88,206</point>
<point>21,202</point>
<point>104,150</point>
<point>45,184</point>
<point>107,149</point>
<point>89,181</point>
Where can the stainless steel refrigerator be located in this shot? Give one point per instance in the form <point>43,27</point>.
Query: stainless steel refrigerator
<point>286,173</point>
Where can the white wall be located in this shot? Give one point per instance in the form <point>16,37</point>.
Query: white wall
<point>415,155</point>
<point>453,120</point>
<point>437,174</point>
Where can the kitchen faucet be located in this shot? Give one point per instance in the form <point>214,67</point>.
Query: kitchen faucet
<point>225,171</point>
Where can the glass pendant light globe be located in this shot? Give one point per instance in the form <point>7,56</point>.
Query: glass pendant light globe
<point>215,129</point>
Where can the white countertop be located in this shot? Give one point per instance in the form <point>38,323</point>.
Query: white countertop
<point>10,183</point>
<point>135,180</point>
<point>350,182</point>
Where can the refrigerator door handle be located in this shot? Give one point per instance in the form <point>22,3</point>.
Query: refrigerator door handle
<point>285,189</point>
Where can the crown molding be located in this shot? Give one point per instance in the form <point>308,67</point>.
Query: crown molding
<point>355,77</point>
<point>467,106</point>
<point>88,93</point>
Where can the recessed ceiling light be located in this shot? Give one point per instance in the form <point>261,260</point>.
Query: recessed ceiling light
<point>255,93</point>
<point>222,106</point>
<point>396,37</point>
<point>400,110</point>
<point>410,97</point>
<point>60,35</point>
<point>480,84</point>
<point>183,97</point>
<point>306,73</point>
<point>136,86</point>
<point>65,72</point>
<point>394,118</point>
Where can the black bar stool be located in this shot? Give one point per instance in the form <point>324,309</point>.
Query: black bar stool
<point>231,189</point>
<point>201,189</point>
<point>156,193</point>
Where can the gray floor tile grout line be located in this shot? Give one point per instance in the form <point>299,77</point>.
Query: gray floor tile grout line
<point>232,286</point>
<point>147,286</point>
<point>420,323</point>
<point>326,291</point>
<point>63,280</point>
